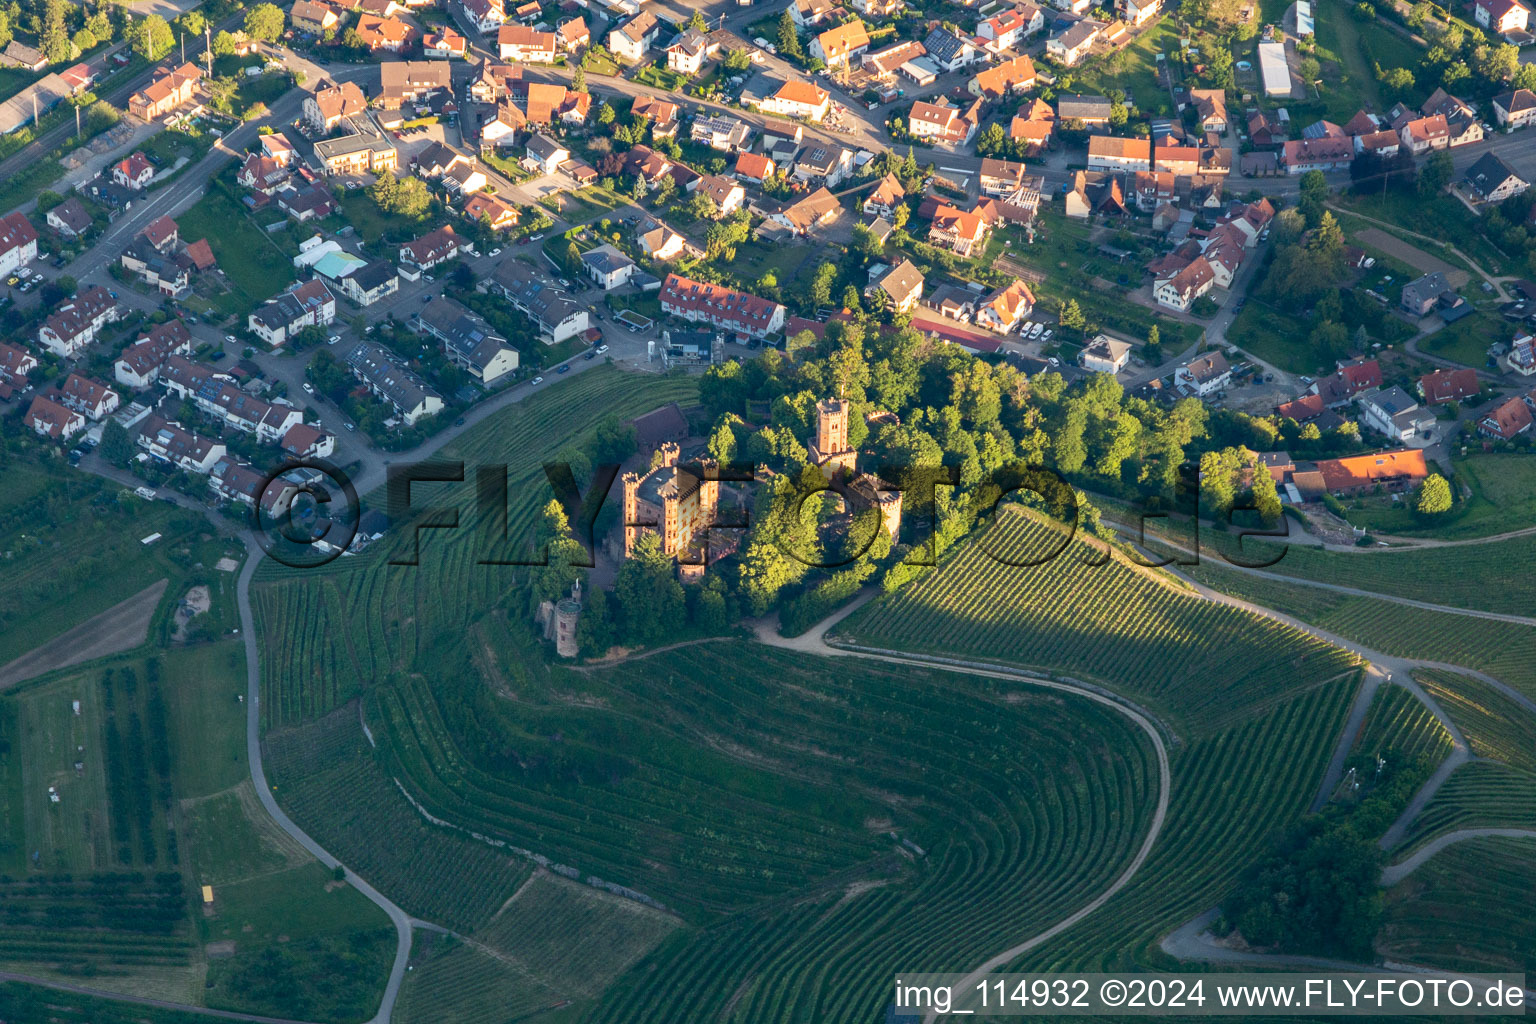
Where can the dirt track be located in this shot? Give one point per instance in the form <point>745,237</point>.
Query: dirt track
<point>1412,255</point>
<point>119,628</point>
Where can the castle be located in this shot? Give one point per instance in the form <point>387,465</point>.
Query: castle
<point>677,505</point>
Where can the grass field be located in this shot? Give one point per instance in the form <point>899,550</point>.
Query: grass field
<point>1466,341</point>
<point>1202,665</point>
<point>255,266</point>
<point>1503,486</point>
<point>1466,909</point>
<point>89,557</point>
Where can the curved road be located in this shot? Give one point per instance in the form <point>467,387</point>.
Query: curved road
<point>1395,873</point>
<point>815,642</point>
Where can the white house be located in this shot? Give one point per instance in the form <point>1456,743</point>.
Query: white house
<point>18,242</point>
<point>545,155</point>
<point>1205,375</point>
<point>799,99</point>
<point>1393,412</point>
<point>1180,290</point>
<point>609,267</point>
<point>634,39</point>
<point>1105,355</point>
<point>305,305</point>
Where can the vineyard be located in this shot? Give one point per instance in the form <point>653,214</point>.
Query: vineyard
<point>1493,576</point>
<point>1495,727</point>
<point>555,940</point>
<point>843,820</point>
<point>1480,794</point>
<point>328,782</point>
<point>1399,727</point>
<point>1505,650</point>
<point>327,633</point>
<point>1466,909</point>
<point>1204,666</point>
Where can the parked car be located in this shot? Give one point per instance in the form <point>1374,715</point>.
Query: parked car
<point>563,368</point>
<point>230,338</point>
<point>495,252</point>
<point>333,339</point>
<point>536,380</point>
<point>601,349</point>
<point>590,355</point>
<point>309,388</point>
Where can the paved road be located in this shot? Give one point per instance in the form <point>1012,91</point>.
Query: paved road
<point>1395,873</point>
<point>814,641</point>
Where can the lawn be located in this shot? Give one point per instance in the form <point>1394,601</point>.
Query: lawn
<point>1442,218</point>
<point>1354,85</point>
<point>255,266</point>
<point>1503,497</point>
<point>1138,78</point>
<point>589,204</point>
<point>373,223</point>
<point>1465,341</point>
<point>1274,337</point>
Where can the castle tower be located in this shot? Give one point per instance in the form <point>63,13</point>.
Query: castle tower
<point>631,496</point>
<point>567,615</point>
<point>832,426</point>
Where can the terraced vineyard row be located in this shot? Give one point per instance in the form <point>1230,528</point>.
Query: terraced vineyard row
<point>1400,728</point>
<point>107,921</point>
<point>1481,794</point>
<point>924,819</point>
<point>328,782</point>
<point>458,982</point>
<point>1466,909</point>
<point>1204,665</point>
<point>1504,650</point>
<point>1495,726</point>
<point>327,631</point>
<point>1493,577</point>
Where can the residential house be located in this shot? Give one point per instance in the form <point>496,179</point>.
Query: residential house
<point>1301,155</point>
<point>314,16</point>
<point>661,113</point>
<point>1383,143</point>
<point>1424,134</point>
<point>464,179</point>
<point>1001,177</point>
<point>70,218</point>
<point>47,418</point>
<point>1180,289</point>
<point>139,364</point>
<point>1501,16</point>
<point>239,482</point>
<point>492,83</point>
<point>960,231</point>
<point>722,132</point>
<point>443,43</point>
<point>809,213</point>
<point>497,211</point>
<point>408,395</point>
<point>887,195</point>
<point>15,364</point>
<point>306,442</point>
<point>827,165</point>
<point>1204,375</point>
<point>303,305</point>
<point>687,53</point>
<point>169,90</point>
<point>545,155</point>
<point>386,35</point>
<point>134,172</point>
<point>634,39</point>
<point>607,266</point>
<point>1105,355</point>
<point>168,273</point>
<point>356,154</point>
<point>89,398</point>
<point>660,243</point>
<point>306,204</point>
<point>1515,109</point>
<point>261,174</point>
<point>331,104</point>
<point>1393,412</point>
<point>1071,46</point>
<point>1492,180</point>
<point>941,123</point>
<point>1016,75</point>
<point>1505,421</point>
<point>573,35</point>
<point>1138,12</point>
<point>1151,190</point>
<point>546,304</point>
<point>521,43</point>
<point>947,51</point>
<point>1360,474</point>
<point>1007,29</point>
<point>170,442</point>
<point>836,46</point>
<point>727,193</point>
<point>216,395</point>
<point>74,325</point>
<point>1352,378</point>
<point>18,242</point>
<point>754,167</point>
<point>1006,308</point>
<point>1422,295</point>
<point>1264,133</point>
<point>799,99</point>
<point>468,341</point>
<point>486,16</point>
<point>368,284</point>
<point>1112,153</point>
<point>413,81</point>
<point>1091,112</point>
<point>437,246</point>
<point>726,308</point>
<point>899,288</point>
<point>1211,109</point>
<point>809,13</point>
<point>1521,357</point>
<point>1443,386</point>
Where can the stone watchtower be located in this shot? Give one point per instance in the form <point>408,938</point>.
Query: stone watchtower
<point>567,615</point>
<point>831,451</point>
